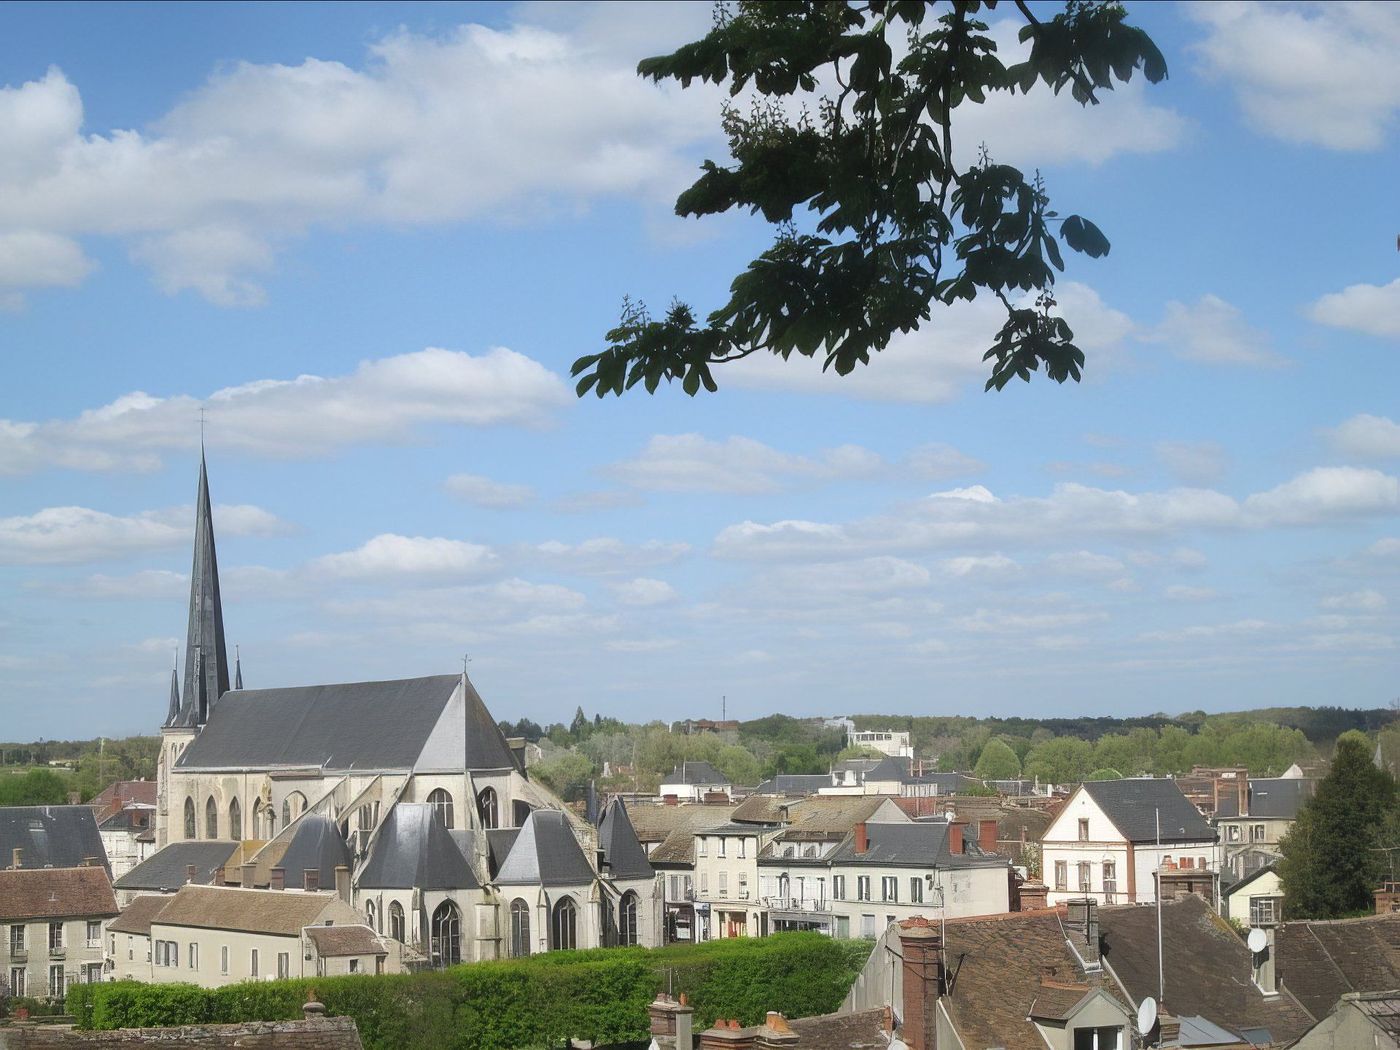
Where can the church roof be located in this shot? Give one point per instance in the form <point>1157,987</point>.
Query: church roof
<point>316,843</point>
<point>414,850</point>
<point>620,845</point>
<point>546,853</point>
<point>206,654</point>
<point>356,725</point>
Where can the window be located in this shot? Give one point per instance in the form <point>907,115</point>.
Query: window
<point>354,965</point>
<point>130,947</point>
<point>627,919</point>
<point>1084,869</point>
<point>743,843</point>
<point>723,883</point>
<point>1061,875</point>
<point>702,846</point>
<point>1110,880</point>
<point>867,926</point>
<point>55,937</point>
<point>284,965</point>
<point>441,801</point>
<point>16,940</point>
<point>1083,829</point>
<point>223,959</point>
<point>193,956</point>
<point>743,885</point>
<point>94,933</point>
<point>211,818</point>
<point>92,973</point>
<point>369,914</point>
<point>704,884</point>
<point>563,933</point>
<point>916,889</point>
<point>396,928</point>
<point>17,975</point>
<point>57,988</point>
<point>1264,911</point>
<point>1232,832</point>
<point>488,807</point>
<point>235,820</point>
<point>1201,863</point>
<point>1256,833</point>
<point>519,929</point>
<point>253,963</point>
<point>447,934</point>
<point>723,846</point>
<point>838,887</point>
<point>889,888</point>
<point>863,888</point>
<point>286,811</point>
<point>1098,1038</point>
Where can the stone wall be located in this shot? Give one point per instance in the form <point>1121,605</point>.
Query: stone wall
<point>331,1033</point>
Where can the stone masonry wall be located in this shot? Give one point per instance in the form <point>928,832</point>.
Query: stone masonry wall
<point>332,1033</point>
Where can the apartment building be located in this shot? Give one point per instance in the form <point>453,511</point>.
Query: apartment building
<point>52,921</point>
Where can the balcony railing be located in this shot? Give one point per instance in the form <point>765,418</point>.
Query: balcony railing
<point>798,903</point>
<point>58,952</point>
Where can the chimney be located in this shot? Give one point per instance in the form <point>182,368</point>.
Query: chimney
<point>987,836</point>
<point>1034,895</point>
<point>311,879</point>
<point>862,838</point>
<point>955,838</point>
<point>278,879</point>
<point>1168,1029</point>
<point>190,872</point>
<point>671,800</point>
<point>1265,975</point>
<point>671,1023</point>
<point>1082,925</point>
<point>342,882</point>
<point>592,810</point>
<point>923,981</point>
<point>1242,783</point>
<point>15,856</point>
<point>245,875</point>
<point>728,1035</point>
<point>776,1032</point>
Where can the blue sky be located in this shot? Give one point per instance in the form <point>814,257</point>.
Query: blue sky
<point>369,240</point>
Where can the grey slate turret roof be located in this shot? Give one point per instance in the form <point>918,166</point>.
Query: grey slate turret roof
<point>1135,803</point>
<point>621,848</point>
<point>316,843</point>
<point>414,849</point>
<point>51,836</point>
<point>206,655</point>
<point>546,853</point>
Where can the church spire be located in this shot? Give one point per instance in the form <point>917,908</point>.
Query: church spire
<point>174,714</point>
<point>237,668</point>
<point>206,655</point>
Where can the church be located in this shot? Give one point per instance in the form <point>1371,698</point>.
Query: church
<point>407,788</point>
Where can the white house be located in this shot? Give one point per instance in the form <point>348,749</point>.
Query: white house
<point>894,743</point>
<point>692,781</point>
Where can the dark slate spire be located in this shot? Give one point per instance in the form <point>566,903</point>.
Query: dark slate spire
<point>206,656</point>
<point>237,668</point>
<point>174,714</point>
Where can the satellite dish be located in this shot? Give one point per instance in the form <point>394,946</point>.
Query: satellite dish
<point>1147,1015</point>
<point>1258,940</point>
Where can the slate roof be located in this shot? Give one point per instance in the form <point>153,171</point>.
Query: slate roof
<point>888,768</point>
<point>832,814</point>
<point>133,818</point>
<point>339,941</point>
<point>316,843</point>
<point>50,836</point>
<point>1319,962</point>
<point>1001,964</point>
<point>56,893</point>
<point>794,784</point>
<point>354,725</point>
<point>1208,967</point>
<point>1133,804</point>
<point>165,871</point>
<point>1272,798</point>
<point>413,849</point>
<point>764,809</point>
<point>623,852</point>
<point>499,842</point>
<point>701,773</point>
<point>137,916</point>
<point>917,844</point>
<point>275,912</point>
<point>1235,887</point>
<point>546,853</point>
<point>1382,1010</point>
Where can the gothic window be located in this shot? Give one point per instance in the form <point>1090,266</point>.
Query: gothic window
<point>190,832</point>
<point>369,914</point>
<point>293,807</point>
<point>487,807</point>
<point>563,931</point>
<point>211,819</point>
<point>286,811</point>
<point>235,820</point>
<point>627,919</point>
<point>519,929</point>
<point>447,935</point>
<point>257,819</point>
<point>396,927</point>
<point>442,802</point>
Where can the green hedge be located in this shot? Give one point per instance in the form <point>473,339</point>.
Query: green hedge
<point>600,994</point>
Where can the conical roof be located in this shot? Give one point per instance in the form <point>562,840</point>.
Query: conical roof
<point>206,655</point>
<point>546,853</point>
<point>621,848</point>
<point>414,850</point>
<point>317,844</point>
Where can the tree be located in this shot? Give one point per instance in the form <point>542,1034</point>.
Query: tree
<point>1063,760</point>
<point>37,787</point>
<point>565,773</point>
<point>1104,773</point>
<point>1331,864</point>
<point>895,221</point>
<point>997,762</point>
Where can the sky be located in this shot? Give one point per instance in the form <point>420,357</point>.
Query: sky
<point>368,240</point>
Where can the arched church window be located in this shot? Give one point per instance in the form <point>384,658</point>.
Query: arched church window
<point>211,818</point>
<point>293,807</point>
<point>369,914</point>
<point>190,832</point>
<point>235,820</point>
<point>563,931</point>
<point>627,919</point>
<point>396,926</point>
<point>447,934</point>
<point>519,929</point>
<point>488,807</point>
<point>286,811</point>
<point>440,800</point>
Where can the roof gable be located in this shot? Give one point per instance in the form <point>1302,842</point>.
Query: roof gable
<point>1135,805</point>
<point>414,850</point>
<point>545,853</point>
<point>316,843</point>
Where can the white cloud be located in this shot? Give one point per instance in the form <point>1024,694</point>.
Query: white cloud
<point>36,259</point>
<point>1178,592</point>
<point>1312,73</point>
<point>644,592</point>
<point>1369,308</point>
<point>939,362</point>
<point>484,492</point>
<point>1213,332</point>
<point>1367,436</point>
<point>389,555</point>
<point>969,565</point>
<point>387,400</point>
<point>603,555</point>
<point>65,535</point>
<point>938,462</point>
<point>1083,563</point>
<point>641,645</point>
<point>692,463</point>
<point>1211,632</point>
<point>1325,493</point>
<point>1193,462</point>
<point>1359,601</point>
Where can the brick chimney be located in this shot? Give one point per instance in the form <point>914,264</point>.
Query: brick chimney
<point>955,838</point>
<point>1168,1029</point>
<point>987,836</point>
<point>342,882</point>
<point>922,972</point>
<point>671,1023</point>
<point>862,838</point>
<point>1034,895</point>
<point>776,1032</point>
<point>728,1035</point>
<point>311,879</point>
<point>277,879</point>
<point>245,875</point>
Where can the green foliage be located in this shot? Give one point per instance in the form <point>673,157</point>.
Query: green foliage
<point>1331,863</point>
<point>894,220</point>
<point>997,762</point>
<point>1063,760</point>
<point>565,773</point>
<point>600,995</point>
<point>795,758</point>
<point>36,787</point>
<point>1104,774</point>
<point>738,764</point>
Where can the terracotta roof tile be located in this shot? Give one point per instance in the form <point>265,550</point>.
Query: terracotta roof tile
<point>278,912</point>
<point>137,916</point>
<point>1319,962</point>
<point>56,893</point>
<point>345,940</point>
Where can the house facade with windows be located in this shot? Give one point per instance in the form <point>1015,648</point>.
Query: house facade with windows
<point>1252,823</point>
<point>692,781</point>
<point>1256,900</point>
<point>51,921</point>
<point>1113,839</point>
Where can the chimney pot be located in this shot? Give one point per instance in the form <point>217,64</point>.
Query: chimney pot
<point>987,836</point>
<point>862,838</point>
<point>246,875</point>
<point>955,838</point>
